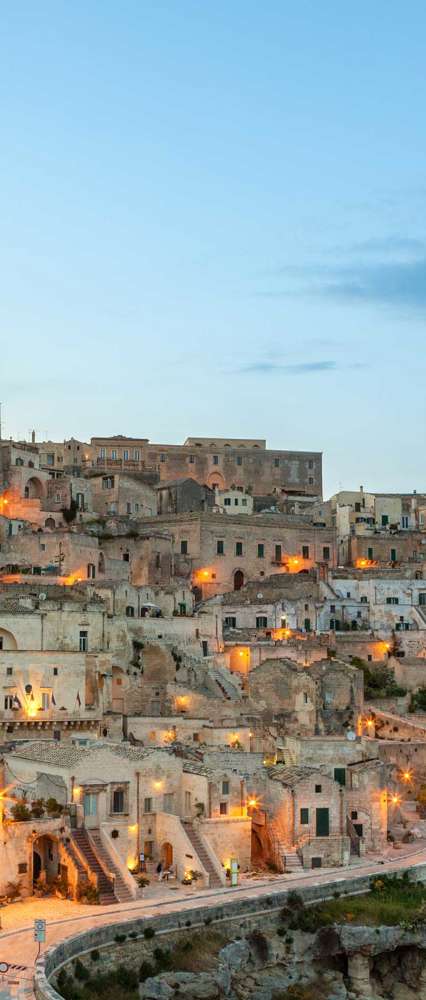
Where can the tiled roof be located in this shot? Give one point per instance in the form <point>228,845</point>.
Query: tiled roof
<point>65,754</point>
<point>291,776</point>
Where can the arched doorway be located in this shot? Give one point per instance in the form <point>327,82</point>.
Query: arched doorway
<point>50,523</point>
<point>167,855</point>
<point>238,579</point>
<point>34,489</point>
<point>45,859</point>
<point>216,481</point>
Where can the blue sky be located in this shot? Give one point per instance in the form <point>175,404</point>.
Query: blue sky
<point>213,222</point>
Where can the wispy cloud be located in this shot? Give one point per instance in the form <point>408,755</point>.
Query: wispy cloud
<point>386,271</point>
<point>276,367</point>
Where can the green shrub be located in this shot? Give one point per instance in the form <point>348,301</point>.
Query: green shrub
<point>20,811</point>
<point>120,938</point>
<point>80,971</point>
<point>148,933</point>
<point>95,955</point>
<point>146,971</point>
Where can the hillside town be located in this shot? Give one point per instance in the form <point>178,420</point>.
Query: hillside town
<point>208,670</point>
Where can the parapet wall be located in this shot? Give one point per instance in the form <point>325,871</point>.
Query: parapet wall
<point>227,911</point>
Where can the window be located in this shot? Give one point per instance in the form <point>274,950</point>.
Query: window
<point>385,520</point>
<point>311,480</point>
<point>340,776</point>
<point>195,737</point>
<point>357,508</point>
<point>187,803</point>
<point>22,868</point>
<point>102,453</point>
<point>261,621</point>
<point>318,789</point>
<point>422,598</point>
<point>236,502</point>
<point>276,463</point>
<point>157,561</point>
<point>238,548</point>
<point>230,621</point>
<point>225,787</point>
<point>223,808</point>
<point>191,459</point>
<point>260,550</point>
<point>162,457</point>
<point>128,508</point>
<point>91,571</point>
<point>278,553</point>
<point>130,611</point>
<point>168,801</point>
<point>215,459</point>
<point>113,455</point>
<point>305,698</point>
<point>332,608</point>
<point>9,701</point>
<point>392,600</point>
<point>304,817</point>
<point>1,642</point>
<point>354,814</point>
<point>126,455</point>
<point>136,454</point>
<point>244,502</point>
<point>184,547</point>
<point>364,599</point>
<point>305,551</point>
<point>310,464</point>
<point>370,553</point>
<point>404,521</point>
<point>326,552</point>
<point>45,700</point>
<point>9,671</point>
<point>393,555</point>
<point>84,641</point>
<point>239,460</point>
<point>227,502</point>
<point>220,547</point>
<point>55,671</point>
<point>118,800</point>
<point>126,557</point>
<point>307,624</point>
<point>108,482</point>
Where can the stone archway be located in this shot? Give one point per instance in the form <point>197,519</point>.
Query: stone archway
<point>50,523</point>
<point>34,489</point>
<point>216,481</point>
<point>7,640</point>
<point>238,579</point>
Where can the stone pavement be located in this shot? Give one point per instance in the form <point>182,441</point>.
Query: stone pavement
<point>67,919</point>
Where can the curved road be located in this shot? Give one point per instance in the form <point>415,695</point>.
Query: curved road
<point>17,945</point>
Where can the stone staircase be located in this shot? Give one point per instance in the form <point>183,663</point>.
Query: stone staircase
<point>121,890</point>
<point>194,837</point>
<point>82,846</point>
<point>71,853</point>
<point>292,862</point>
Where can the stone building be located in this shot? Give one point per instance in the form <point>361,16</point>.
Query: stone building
<point>180,496</point>
<point>221,553</point>
<point>220,463</point>
<point>123,494</point>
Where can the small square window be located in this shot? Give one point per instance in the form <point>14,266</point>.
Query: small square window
<point>22,868</point>
<point>9,671</point>
<point>215,459</point>
<point>354,814</point>
<point>318,789</point>
<point>55,671</point>
<point>238,548</point>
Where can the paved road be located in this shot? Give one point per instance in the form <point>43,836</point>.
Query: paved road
<point>17,945</point>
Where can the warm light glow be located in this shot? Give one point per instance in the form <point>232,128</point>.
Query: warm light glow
<point>279,634</point>
<point>362,563</point>
<point>76,793</point>
<point>133,828</point>
<point>31,709</point>
<point>169,736</point>
<point>72,578</point>
<point>395,799</point>
<point>182,702</point>
<point>157,784</point>
<point>407,775</point>
<point>252,802</point>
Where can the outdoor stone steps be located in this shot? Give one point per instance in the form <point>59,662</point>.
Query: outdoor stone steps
<point>105,887</point>
<point>193,836</point>
<point>121,890</point>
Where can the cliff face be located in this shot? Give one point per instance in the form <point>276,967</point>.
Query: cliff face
<point>336,963</point>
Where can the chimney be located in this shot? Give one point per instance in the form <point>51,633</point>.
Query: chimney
<point>32,437</point>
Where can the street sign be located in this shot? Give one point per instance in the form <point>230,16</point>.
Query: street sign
<point>39,930</point>
<point>4,967</point>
